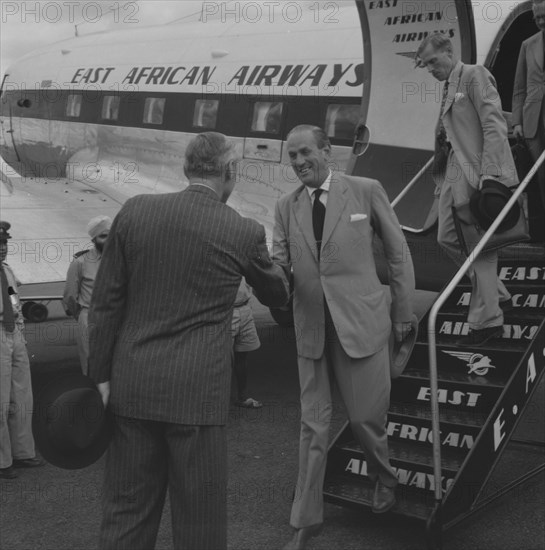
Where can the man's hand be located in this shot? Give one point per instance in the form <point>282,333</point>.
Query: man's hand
<point>104,390</point>
<point>517,131</point>
<point>401,331</point>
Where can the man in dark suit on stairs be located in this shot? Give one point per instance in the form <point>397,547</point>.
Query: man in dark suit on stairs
<point>529,113</point>
<point>160,350</point>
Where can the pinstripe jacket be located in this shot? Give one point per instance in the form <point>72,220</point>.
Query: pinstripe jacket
<point>161,309</point>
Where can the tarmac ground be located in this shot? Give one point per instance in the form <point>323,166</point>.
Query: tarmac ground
<point>50,508</point>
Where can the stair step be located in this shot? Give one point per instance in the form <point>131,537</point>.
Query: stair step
<point>477,367</point>
<point>339,489</point>
<point>412,454</point>
<point>531,252</point>
<point>352,465</point>
<point>517,272</point>
<point>488,365</point>
<point>462,378</point>
<point>419,411</point>
<point>510,318</point>
<point>418,430</point>
<point>527,298</point>
<point>449,329</point>
<point>455,395</point>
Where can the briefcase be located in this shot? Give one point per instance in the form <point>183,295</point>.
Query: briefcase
<point>469,232</point>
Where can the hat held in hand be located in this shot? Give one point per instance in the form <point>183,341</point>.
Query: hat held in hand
<point>487,203</point>
<point>400,352</point>
<point>71,427</point>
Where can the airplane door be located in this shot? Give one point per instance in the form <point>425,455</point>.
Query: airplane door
<point>400,103</point>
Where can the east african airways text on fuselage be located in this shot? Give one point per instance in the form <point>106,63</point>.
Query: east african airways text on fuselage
<point>328,75</point>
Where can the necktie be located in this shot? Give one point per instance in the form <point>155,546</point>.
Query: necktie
<point>443,146</point>
<point>318,217</point>
<point>442,135</point>
<point>8,319</point>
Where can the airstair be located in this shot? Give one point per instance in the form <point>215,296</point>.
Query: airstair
<point>481,396</point>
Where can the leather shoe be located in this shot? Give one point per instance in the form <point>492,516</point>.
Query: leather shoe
<point>478,337</point>
<point>27,462</point>
<point>8,473</point>
<point>383,498</point>
<point>302,536</point>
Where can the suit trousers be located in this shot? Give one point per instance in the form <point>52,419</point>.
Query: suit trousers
<point>144,459</point>
<point>16,440</point>
<point>487,288</point>
<point>364,385</point>
<point>536,189</point>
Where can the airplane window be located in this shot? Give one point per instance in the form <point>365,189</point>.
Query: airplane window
<point>267,116</point>
<point>73,105</point>
<point>110,107</point>
<point>341,121</point>
<point>206,113</point>
<point>154,107</point>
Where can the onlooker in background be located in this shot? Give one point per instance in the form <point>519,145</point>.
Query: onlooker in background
<point>471,147</point>
<point>80,281</point>
<point>529,113</point>
<point>245,339</point>
<point>16,440</point>
<point>161,349</point>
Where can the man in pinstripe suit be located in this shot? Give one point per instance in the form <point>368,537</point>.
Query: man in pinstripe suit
<point>160,350</point>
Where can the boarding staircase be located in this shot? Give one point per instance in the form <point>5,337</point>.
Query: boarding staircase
<point>482,394</point>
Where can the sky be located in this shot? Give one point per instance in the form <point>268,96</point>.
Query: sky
<point>28,25</point>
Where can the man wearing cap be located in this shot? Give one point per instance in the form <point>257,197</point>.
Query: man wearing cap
<point>80,281</point>
<point>161,350</point>
<point>471,147</point>
<point>16,440</point>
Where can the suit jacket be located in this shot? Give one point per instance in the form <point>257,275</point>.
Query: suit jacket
<point>357,209</point>
<point>529,85</point>
<point>160,316</point>
<point>477,131</point>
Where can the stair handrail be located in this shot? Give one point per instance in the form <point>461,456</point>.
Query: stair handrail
<point>432,347</point>
<point>407,188</point>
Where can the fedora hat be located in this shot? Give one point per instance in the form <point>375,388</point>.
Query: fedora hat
<point>70,425</point>
<point>488,202</point>
<point>401,351</point>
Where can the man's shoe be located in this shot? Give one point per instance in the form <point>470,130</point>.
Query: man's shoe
<point>27,463</point>
<point>480,336</point>
<point>8,473</point>
<point>383,498</point>
<point>302,536</point>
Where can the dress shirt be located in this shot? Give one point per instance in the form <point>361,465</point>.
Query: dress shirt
<point>324,187</point>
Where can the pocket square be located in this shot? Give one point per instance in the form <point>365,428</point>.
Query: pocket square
<point>357,217</point>
<point>458,96</point>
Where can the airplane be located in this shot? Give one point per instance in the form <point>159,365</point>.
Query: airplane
<point>90,121</point>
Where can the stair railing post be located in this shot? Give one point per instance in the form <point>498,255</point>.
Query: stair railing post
<point>437,473</point>
<point>406,189</point>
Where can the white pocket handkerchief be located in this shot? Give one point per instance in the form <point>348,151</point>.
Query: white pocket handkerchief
<point>458,96</point>
<point>357,217</point>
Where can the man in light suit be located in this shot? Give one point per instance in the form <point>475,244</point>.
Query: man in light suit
<point>324,232</point>
<point>529,110</point>
<point>161,350</point>
<point>471,146</point>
